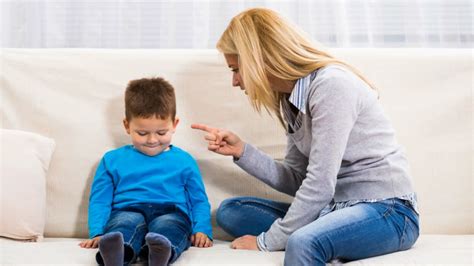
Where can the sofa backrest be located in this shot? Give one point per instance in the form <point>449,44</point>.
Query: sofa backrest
<point>75,96</point>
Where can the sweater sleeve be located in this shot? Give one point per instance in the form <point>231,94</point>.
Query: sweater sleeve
<point>199,203</point>
<point>100,200</point>
<point>283,176</point>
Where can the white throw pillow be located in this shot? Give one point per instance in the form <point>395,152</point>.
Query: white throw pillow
<point>24,161</point>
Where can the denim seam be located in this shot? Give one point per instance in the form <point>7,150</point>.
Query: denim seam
<point>174,248</point>
<point>403,236</point>
<point>261,210</point>
<point>181,242</point>
<point>389,209</point>
<point>134,234</point>
<point>260,203</point>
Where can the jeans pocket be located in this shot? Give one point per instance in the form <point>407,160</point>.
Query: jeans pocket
<point>410,234</point>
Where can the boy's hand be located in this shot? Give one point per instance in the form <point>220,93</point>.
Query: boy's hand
<point>90,243</point>
<point>221,141</point>
<point>201,240</point>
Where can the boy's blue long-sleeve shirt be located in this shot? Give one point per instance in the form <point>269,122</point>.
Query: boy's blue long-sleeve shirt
<point>126,176</point>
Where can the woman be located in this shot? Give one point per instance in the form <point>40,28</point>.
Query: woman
<point>353,196</point>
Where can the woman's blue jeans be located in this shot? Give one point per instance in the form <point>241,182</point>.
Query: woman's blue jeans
<point>135,221</point>
<point>360,231</point>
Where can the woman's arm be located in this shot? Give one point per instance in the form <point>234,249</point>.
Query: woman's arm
<point>285,176</point>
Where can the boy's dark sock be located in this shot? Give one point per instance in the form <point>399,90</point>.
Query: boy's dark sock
<point>111,248</point>
<point>159,249</point>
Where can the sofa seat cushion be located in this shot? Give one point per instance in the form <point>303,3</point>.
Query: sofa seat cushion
<point>448,249</point>
<point>66,251</point>
<point>430,249</point>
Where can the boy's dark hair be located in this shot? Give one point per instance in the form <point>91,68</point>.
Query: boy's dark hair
<point>149,97</point>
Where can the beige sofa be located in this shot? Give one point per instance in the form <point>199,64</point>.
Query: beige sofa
<point>74,96</point>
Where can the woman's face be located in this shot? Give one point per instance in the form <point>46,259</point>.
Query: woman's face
<point>276,84</point>
<point>233,63</point>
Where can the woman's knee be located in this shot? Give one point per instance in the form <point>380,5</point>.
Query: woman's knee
<point>302,250</point>
<point>226,210</point>
<point>307,246</point>
<point>298,240</point>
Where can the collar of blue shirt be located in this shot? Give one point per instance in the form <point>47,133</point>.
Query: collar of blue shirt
<point>298,94</point>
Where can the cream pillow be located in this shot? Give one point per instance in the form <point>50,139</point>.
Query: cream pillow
<point>24,161</point>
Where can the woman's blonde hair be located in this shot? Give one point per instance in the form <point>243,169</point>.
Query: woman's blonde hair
<point>266,43</point>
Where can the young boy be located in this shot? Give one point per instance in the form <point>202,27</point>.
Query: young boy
<point>148,198</point>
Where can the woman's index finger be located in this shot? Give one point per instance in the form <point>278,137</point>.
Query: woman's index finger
<point>203,128</point>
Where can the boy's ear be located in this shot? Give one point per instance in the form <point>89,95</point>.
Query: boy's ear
<point>126,125</point>
<point>176,122</point>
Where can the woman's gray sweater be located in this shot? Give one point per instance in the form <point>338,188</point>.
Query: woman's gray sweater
<point>345,149</point>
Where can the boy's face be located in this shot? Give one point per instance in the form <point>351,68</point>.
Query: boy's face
<point>152,135</point>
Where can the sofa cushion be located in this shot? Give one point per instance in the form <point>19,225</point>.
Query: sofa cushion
<point>430,249</point>
<point>25,160</point>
